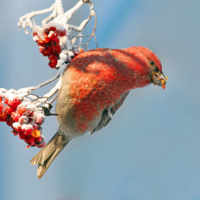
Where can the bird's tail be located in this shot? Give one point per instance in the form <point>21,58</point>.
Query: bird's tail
<point>46,156</point>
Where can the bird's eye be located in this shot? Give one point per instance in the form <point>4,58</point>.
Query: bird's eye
<point>152,63</point>
<point>157,70</point>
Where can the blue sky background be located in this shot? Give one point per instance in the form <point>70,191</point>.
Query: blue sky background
<point>150,150</point>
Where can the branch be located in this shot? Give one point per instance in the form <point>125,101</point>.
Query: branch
<point>23,110</point>
<point>25,20</point>
<point>57,19</point>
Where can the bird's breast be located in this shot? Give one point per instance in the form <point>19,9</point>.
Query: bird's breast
<point>91,83</point>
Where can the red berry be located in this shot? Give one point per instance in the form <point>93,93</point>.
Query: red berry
<point>21,109</point>
<point>36,126</point>
<point>9,110</point>
<point>52,65</point>
<point>40,42</point>
<point>41,49</point>
<point>55,42</point>
<point>62,33</point>
<point>35,34</point>
<point>14,102</point>
<point>49,50</point>
<point>54,62</point>
<point>9,121</point>
<point>53,59</point>
<point>45,52</point>
<point>2,107</point>
<point>46,39</point>
<point>22,136</point>
<point>29,113</point>
<point>39,140</point>
<point>30,140</point>
<point>6,100</point>
<point>15,116</point>
<point>52,28</point>
<point>57,32</point>
<point>17,127</point>
<point>3,117</point>
<point>56,50</point>
<point>46,31</point>
<point>42,145</point>
<point>14,132</point>
<point>53,36</point>
<point>23,120</point>
<point>27,129</point>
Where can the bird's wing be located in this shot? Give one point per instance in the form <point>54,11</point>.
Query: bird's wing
<point>108,113</point>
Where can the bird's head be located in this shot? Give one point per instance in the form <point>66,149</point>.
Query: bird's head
<point>156,75</point>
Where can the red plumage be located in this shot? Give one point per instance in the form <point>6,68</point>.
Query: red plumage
<point>94,86</point>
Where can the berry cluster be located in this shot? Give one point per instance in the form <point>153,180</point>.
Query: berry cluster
<point>24,118</point>
<point>52,43</point>
<point>49,44</point>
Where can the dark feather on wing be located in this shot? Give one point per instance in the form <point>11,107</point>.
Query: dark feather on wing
<point>108,113</point>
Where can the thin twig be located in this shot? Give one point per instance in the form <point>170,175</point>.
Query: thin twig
<point>54,97</point>
<point>93,33</point>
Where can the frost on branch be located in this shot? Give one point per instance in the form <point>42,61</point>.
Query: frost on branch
<point>24,118</point>
<point>21,109</point>
<point>56,31</point>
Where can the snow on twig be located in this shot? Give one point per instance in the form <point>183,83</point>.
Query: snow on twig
<point>23,110</point>
<point>58,19</point>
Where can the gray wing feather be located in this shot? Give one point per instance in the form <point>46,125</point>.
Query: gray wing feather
<point>108,113</point>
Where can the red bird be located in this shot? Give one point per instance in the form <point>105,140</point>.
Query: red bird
<point>94,85</point>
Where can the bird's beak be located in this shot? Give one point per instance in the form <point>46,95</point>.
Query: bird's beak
<point>159,79</point>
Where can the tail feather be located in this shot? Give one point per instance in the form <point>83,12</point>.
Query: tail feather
<point>46,156</point>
